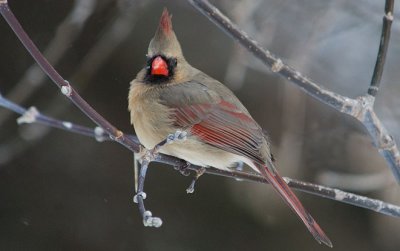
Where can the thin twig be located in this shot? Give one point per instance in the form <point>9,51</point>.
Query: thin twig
<point>360,108</point>
<point>67,32</point>
<point>114,33</point>
<point>36,117</point>
<point>314,189</point>
<point>383,47</point>
<point>64,85</point>
<point>276,64</point>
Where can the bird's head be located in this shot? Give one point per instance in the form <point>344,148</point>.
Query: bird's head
<point>164,53</point>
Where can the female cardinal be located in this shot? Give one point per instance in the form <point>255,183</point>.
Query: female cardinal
<point>170,95</point>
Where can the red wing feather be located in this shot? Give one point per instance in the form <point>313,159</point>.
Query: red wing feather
<point>224,126</point>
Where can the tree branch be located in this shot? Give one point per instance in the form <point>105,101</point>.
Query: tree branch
<point>360,108</point>
<point>118,28</point>
<point>310,188</point>
<point>383,46</point>
<point>66,34</point>
<point>63,84</point>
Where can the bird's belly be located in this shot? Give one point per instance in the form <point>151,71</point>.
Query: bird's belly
<point>201,154</point>
<point>152,122</point>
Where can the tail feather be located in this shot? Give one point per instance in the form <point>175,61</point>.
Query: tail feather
<point>270,173</point>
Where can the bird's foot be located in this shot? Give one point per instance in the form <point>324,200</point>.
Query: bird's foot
<point>177,136</point>
<point>150,155</point>
<point>199,172</point>
<point>184,169</point>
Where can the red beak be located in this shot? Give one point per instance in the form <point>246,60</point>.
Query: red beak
<point>159,67</point>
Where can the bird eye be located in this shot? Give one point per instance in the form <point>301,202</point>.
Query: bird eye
<point>174,62</point>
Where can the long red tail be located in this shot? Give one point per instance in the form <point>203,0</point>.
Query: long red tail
<point>290,198</point>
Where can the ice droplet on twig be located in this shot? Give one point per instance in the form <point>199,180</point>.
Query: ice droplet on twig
<point>29,116</point>
<point>99,134</point>
<point>277,66</point>
<point>66,89</point>
<point>67,124</point>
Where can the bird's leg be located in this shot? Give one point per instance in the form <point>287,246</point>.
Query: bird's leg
<point>149,156</point>
<point>199,172</point>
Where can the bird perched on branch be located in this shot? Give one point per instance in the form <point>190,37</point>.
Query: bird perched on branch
<point>170,95</point>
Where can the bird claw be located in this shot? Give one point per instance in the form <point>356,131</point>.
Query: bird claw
<point>199,172</point>
<point>150,155</point>
<point>184,169</point>
<point>150,221</point>
<point>177,136</point>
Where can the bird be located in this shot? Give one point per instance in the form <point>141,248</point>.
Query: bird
<point>170,95</point>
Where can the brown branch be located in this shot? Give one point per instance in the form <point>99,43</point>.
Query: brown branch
<point>66,34</point>
<point>63,84</point>
<point>114,33</point>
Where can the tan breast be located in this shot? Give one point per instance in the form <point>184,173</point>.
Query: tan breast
<point>151,120</point>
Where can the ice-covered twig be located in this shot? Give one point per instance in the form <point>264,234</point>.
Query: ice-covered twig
<point>360,108</point>
<point>149,156</point>
<point>114,33</point>
<point>148,219</point>
<point>306,187</point>
<point>67,32</point>
<point>34,116</point>
<point>64,85</point>
<point>345,197</point>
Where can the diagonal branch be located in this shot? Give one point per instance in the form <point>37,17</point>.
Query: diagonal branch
<point>276,64</point>
<point>114,33</point>
<point>67,32</point>
<point>310,188</point>
<point>360,108</point>
<point>63,84</point>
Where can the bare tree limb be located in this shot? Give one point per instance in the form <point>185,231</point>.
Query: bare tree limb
<point>360,108</point>
<point>310,188</point>
<point>383,46</point>
<point>114,33</point>
<point>32,115</point>
<point>63,84</point>
<point>67,33</point>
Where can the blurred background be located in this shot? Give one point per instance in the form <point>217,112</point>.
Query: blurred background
<point>60,191</point>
